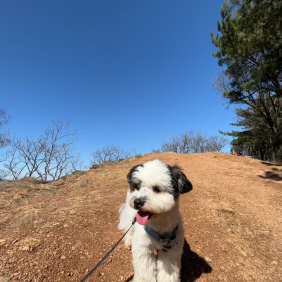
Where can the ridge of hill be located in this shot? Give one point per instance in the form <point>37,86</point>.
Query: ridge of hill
<point>232,219</point>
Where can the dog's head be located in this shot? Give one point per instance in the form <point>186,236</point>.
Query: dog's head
<point>154,188</point>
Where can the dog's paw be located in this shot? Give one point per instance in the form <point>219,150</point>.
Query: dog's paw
<point>128,243</point>
<point>128,246</point>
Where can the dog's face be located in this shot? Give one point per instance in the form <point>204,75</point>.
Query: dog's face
<point>154,188</point>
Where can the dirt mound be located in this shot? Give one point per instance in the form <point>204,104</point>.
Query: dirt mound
<point>232,221</point>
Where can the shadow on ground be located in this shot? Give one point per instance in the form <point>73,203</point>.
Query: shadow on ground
<point>129,279</point>
<point>274,174</point>
<point>193,266</point>
<point>270,164</point>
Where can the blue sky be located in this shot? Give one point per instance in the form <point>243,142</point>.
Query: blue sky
<point>126,72</point>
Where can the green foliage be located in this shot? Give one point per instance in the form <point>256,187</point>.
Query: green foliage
<point>249,43</point>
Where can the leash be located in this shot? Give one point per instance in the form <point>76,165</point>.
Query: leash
<point>100,262</point>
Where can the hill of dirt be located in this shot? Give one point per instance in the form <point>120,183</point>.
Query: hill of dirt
<point>58,231</point>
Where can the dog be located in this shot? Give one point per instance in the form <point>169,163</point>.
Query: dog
<point>157,237</point>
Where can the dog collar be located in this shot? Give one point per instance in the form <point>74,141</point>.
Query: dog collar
<point>167,239</point>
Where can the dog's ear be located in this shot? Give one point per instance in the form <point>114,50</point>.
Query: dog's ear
<point>182,183</point>
<point>132,170</point>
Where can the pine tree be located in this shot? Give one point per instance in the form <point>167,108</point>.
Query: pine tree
<point>249,43</point>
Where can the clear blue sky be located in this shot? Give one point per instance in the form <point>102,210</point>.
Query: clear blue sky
<point>126,72</point>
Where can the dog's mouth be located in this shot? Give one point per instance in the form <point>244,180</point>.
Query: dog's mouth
<point>142,217</point>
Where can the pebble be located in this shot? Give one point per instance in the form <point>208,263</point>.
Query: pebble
<point>208,259</point>
<point>2,241</point>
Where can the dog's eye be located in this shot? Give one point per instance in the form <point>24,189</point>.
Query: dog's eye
<point>156,189</point>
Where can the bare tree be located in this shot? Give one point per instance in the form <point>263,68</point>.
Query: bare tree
<point>186,142</point>
<point>173,145</point>
<point>4,135</point>
<point>221,83</point>
<point>111,153</point>
<point>191,142</point>
<point>4,140</point>
<point>181,144</point>
<point>4,173</point>
<point>13,167</point>
<point>47,158</point>
<point>216,143</point>
<point>200,143</point>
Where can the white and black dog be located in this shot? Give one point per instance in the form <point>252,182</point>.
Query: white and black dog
<point>152,198</point>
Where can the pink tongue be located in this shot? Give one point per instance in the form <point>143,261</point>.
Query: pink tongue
<point>142,217</point>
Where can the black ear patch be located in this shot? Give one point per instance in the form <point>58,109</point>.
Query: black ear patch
<point>132,170</point>
<point>180,182</point>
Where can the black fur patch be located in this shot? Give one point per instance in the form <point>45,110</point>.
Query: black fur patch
<point>133,185</point>
<point>132,170</point>
<point>179,181</point>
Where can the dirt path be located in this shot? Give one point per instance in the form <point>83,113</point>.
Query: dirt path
<point>232,221</point>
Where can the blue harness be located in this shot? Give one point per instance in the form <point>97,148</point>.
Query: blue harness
<point>170,239</point>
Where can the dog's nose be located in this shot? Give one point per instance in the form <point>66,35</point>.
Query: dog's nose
<point>139,203</point>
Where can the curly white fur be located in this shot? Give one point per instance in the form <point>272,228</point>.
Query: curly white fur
<point>165,217</point>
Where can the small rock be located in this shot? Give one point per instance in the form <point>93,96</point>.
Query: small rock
<point>25,248</point>
<point>244,253</point>
<point>2,242</point>
<point>207,259</point>
<point>63,257</point>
